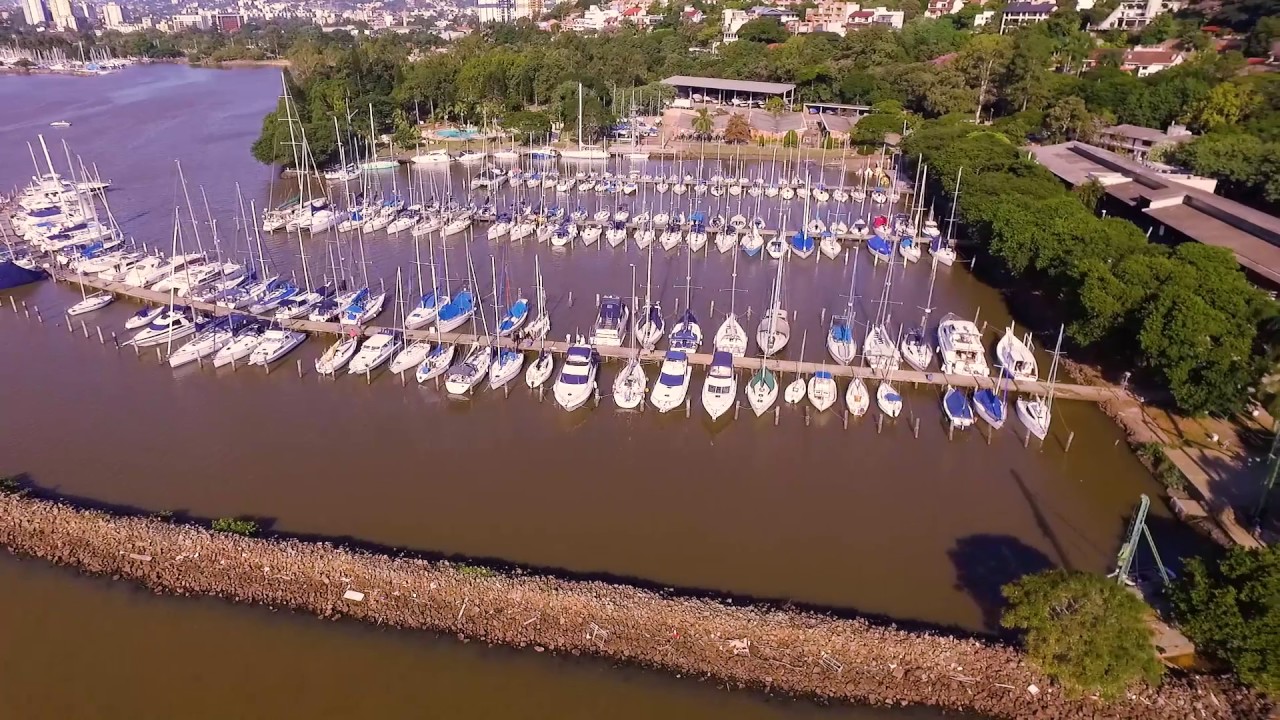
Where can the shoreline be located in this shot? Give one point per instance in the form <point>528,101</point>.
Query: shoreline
<point>774,648</point>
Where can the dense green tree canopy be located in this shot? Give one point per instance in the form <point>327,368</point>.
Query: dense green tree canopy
<point>1083,630</point>
<point>1231,609</point>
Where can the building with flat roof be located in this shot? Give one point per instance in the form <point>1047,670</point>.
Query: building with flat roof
<point>1172,207</point>
<point>722,91</point>
<point>1138,142</point>
<point>1137,14</point>
<point>1017,14</point>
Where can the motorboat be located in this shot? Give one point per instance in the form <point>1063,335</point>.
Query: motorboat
<point>888,399</point>
<point>469,156</point>
<point>673,382</point>
<point>577,379</point>
<point>431,157</point>
<point>856,397</point>
<point>378,349</point>
<point>505,366</point>
<point>1015,357</point>
<point>246,340</point>
<point>960,347</point>
<point>631,385</point>
<point>436,363</point>
<point>612,322</point>
<point>721,385</point>
<point>762,390</point>
<point>143,317</point>
<point>955,405</point>
<point>337,355</point>
<point>539,371</point>
<point>822,390</point>
<point>276,343</point>
<point>172,324</point>
<point>467,374</point>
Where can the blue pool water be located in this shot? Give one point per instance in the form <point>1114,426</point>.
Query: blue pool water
<point>456,134</point>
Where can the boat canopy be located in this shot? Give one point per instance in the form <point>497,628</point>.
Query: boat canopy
<point>578,352</point>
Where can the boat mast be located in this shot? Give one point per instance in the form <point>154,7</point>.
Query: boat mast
<point>955,202</point>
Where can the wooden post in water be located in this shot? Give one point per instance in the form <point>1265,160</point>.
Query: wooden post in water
<point>13,303</point>
<point>136,352</point>
<point>368,377</point>
<point>85,329</point>
<point>570,298</point>
<point>38,315</point>
<point>1026,440</point>
<point>299,367</point>
<point>101,340</point>
<point>823,317</point>
<point>951,431</point>
<point>159,356</point>
<point>712,312</point>
<point>846,419</point>
<point>777,415</point>
<point>990,432</point>
<point>402,378</point>
<point>687,405</point>
<point>1071,436</point>
<point>879,423</point>
<point>806,416</point>
<point>737,405</point>
<point>115,340</point>
<point>68,322</point>
<point>200,362</point>
<point>915,427</point>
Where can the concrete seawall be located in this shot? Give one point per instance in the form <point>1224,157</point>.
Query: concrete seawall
<point>773,649</point>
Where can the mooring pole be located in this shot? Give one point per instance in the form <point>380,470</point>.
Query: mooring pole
<point>1070,437</point>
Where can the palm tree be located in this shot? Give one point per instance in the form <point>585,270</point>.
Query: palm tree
<point>703,123</point>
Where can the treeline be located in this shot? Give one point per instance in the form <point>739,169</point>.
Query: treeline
<point>1186,316</point>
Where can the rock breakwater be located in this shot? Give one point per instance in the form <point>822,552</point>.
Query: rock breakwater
<point>769,648</point>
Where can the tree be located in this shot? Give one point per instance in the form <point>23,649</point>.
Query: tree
<point>1231,609</point>
<point>1083,630</point>
<point>1226,104</point>
<point>703,124</point>
<point>763,30</point>
<point>1090,194</point>
<point>737,130</point>
<point>1069,119</point>
<point>790,139</point>
<point>872,128</point>
<point>774,106</point>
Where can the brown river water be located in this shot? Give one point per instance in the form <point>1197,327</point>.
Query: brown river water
<point>923,529</point>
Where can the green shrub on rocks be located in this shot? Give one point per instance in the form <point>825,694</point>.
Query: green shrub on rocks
<point>1231,609</point>
<point>235,526</point>
<point>475,571</point>
<point>1153,455</point>
<point>1085,631</point>
<point>10,485</point>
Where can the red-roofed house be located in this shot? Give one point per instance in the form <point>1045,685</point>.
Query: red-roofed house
<point>1143,61</point>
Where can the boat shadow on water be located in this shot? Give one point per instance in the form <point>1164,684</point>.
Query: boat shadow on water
<point>983,572</point>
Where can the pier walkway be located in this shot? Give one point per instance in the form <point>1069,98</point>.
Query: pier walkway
<point>1090,393</point>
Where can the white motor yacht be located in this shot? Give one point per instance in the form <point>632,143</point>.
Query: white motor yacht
<point>577,380</point>
<point>246,341</point>
<point>276,343</point>
<point>170,325</point>
<point>375,351</point>
<point>721,386</point>
<point>960,347</point>
<point>673,382</point>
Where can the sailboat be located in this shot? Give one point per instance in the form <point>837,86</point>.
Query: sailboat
<point>338,354</point>
<point>465,375</point>
<point>539,371</point>
<point>762,389</point>
<point>730,336</point>
<point>823,390</point>
<point>686,334</point>
<point>89,303</point>
<point>990,404</point>
<point>841,345</point>
<point>856,397</point>
<point>538,328</point>
<point>1036,412</point>
<point>943,249</point>
<point>775,329</point>
<point>721,385</point>
<point>878,347</point>
<point>955,405</point>
<point>583,152</point>
<point>630,386</point>
<point>650,326</point>
<point>916,349</point>
<point>888,399</point>
<point>1015,356</point>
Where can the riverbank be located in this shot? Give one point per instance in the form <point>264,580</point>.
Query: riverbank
<point>770,648</point>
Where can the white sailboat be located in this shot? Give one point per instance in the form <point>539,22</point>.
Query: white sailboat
<point>1015,356</point>
<point>841,345</point>
<point>775,329</point>
<point>856,397</point>
<point>916,348</point>
<point>1036,412</point>
<point>822,390</point>
<point>539,371</point>
<point>507,362</point>
<point>650,326</point>
<point>630,386</point>
<point>730,336</point>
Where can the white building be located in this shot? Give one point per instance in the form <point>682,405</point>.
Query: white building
<point>1136,14</point>
<point>938,8</point>
<point>596,18</point>
<point>1017,14</point>
<point>112,16</point>
<point>198,21</point>
<point>503,10</point>
<point>35,12</point>
<point>62,15</point>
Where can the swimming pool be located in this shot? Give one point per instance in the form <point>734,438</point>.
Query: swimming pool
<point>455,134</point>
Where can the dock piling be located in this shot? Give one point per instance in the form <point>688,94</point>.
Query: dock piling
<point>115,340</point>
<point>1026,440</point>
<point>879,423</point>
<point>84,329</point>
<point>368,377</point>
<point>14,304</point>
<point>570,298</point>
<point>299,367</point>
<point>136,351</point>
<point>101,340</point>
<point>823,318</point>
<point>777,415</point>
<point>1070,437</point>
<point>200,362</point>
<point>540,392</point>
<point>807,418</point>
<point>402,381</point>
<point>951,431</point>
<point>159,355</point>
<point>737,405</point>
<point>846,419</point>
<point>68,317</point>
<point>506,391</point>
<point>915,427</point>
<point>990,432</point>
<point>712,312</point>
<point>687,405</point>
<point>38,315</point>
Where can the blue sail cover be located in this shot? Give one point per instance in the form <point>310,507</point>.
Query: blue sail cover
<point>880,246</point>
<point>957,405</point>
<point>12,275</point>
<point>802,242</point>
<point>462,303</point>
<point>991,403</point>
<point>841,332</point>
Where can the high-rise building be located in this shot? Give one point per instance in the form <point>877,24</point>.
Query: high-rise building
<point>62,16</point>
<point>112,15</point>
<point>35,12</point>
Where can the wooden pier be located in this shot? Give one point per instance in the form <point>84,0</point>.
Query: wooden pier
<point>1063,391</point>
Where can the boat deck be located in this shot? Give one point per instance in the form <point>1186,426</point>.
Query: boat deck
<point>1063,391</point>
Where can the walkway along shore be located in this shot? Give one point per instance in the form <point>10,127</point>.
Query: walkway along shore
<point>776,649</point>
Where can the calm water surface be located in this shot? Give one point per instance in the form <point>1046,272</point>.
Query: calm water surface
<point>881,522</point>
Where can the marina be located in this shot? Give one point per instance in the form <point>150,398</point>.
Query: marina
<point>881,522</point>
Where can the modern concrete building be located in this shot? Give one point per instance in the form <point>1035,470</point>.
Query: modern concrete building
<point>718,90</point>
<point>35,12</point>
<point>1017,14</point>
<point>1137,142</point>
<point>112,16</point>
<point>1173,207</point>
<point>1137,14</point>
<point>62,15</point>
